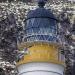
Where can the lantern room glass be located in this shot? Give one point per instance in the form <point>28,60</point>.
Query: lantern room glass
<point>40,29</point>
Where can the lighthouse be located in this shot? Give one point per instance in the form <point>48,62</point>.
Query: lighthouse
<point>42,55</point>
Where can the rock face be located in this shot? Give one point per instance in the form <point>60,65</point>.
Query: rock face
<point>2,71</point>
<point>8,35</point>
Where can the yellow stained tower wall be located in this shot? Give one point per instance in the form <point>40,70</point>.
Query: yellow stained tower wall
<point>42,53</point>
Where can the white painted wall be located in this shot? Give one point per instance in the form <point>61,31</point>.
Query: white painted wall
<point>41,69</point>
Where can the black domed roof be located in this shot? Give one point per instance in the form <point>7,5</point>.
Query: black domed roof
<point>40,13</point>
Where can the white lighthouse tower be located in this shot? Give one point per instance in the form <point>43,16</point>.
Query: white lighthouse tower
<point>40,41</point>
